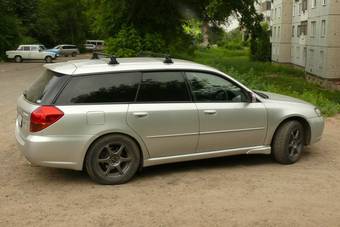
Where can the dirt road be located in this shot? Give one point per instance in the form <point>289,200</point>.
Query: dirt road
<point>232,191</point>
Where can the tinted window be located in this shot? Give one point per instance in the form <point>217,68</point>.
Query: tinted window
<point>107,88</point>
<point>211,88</point>
<point>163,87</point>
<point>42,90</point>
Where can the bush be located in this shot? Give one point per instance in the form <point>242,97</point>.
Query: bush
<point>127,43</point>
<point>260,46</point>
<point>154,42</point>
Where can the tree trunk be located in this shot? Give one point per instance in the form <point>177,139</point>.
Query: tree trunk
<point>205,30</point>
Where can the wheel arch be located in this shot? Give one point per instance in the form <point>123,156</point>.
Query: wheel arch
<point>302,120</point>
<point>141,149</point>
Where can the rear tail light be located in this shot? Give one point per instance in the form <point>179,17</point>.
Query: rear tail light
<point>43,117</point>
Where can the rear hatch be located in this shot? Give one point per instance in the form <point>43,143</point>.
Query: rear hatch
<point>42,92</point>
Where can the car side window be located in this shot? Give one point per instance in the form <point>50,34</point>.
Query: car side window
<point>26,48</point>
<point>212,88</point>
<point>163,87</point>
<point>97,89</point>
<point>34,48</point>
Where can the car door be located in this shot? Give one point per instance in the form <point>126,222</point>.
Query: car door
<point>25,53</point>
<point>164,115</point>
<point>228,119</point>
<point>34,53</point>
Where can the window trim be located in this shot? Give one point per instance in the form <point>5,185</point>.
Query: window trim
<point>183,72</point>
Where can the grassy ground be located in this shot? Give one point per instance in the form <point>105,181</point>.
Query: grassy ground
<point>269,77</point>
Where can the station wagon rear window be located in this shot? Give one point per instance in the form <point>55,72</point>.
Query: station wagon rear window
<point>44,89</point>
<point>97,89</point>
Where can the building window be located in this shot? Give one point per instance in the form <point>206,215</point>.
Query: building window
<point>323,2</point>
<point>279,13</point>
<point>298,30</point>
<point>297,53</point>
<point>293,30</point>
<point>323,28</point>
<point>313,3</point>
<point>275,13</point>
<point>321,61</point>
<point>300,8</point>
<point>278,32</point>
<point>304,5</point>
<point>303,28</point>
<point>311,59</point>
<point>274,36</point>
<point>313,23</point>
<point>293,10</point>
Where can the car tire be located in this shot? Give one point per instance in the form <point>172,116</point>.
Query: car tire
<point>288,142</point>
<point>18,59</point>
<point>74,54</point>
<point>48,59</point>
<point>113,159</point>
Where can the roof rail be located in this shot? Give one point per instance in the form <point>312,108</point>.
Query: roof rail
<point>167,57</point>
<point>168,60</point>
<point>113,59</point>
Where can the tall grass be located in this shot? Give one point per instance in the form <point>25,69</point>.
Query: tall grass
<point>268,76</point>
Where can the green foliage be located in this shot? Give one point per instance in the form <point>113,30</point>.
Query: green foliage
<point>232,40</point>
<point>192,27</point>
<point>260,45</point>
<point>267,76</point>
<point>28,40</point>
<point>154,42</point>
<point>61,21</point>
<point>10,31</point>
<point>126,43</point>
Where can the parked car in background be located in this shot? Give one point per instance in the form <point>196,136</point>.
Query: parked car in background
<point>31,52</point>
<point>90,47</point>
<point>66,50</point>
<point>54,50</point>
<point>98,44</point>
<point>113,117</point>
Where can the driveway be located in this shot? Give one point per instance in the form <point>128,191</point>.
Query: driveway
<point>231,191</point>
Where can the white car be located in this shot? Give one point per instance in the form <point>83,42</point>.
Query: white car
<point>31,52</point>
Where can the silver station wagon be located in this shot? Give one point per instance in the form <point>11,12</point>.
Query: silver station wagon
<point>111,117</point>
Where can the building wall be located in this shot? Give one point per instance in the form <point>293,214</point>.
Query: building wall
<point>317,49</point>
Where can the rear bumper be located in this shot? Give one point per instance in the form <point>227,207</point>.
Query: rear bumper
<point>317,125</point>
<point>65,152</point>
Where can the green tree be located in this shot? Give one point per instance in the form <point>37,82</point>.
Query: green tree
<point>61,21</point>
<point>10,31</point>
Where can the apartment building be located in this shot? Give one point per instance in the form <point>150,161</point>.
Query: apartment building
<point>307,33</point>
<point>264,7</point>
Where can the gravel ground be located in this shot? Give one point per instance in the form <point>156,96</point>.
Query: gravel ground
<point>231,191</point>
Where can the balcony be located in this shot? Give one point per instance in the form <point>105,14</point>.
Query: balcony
<point>304,16</point>
<point>302,39</point>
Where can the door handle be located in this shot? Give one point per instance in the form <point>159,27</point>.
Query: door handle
<point>210,112</point>
<point>140,114</point>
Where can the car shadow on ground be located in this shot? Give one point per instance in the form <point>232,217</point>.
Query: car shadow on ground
<point>207,164</point>
<point>71,176</point>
